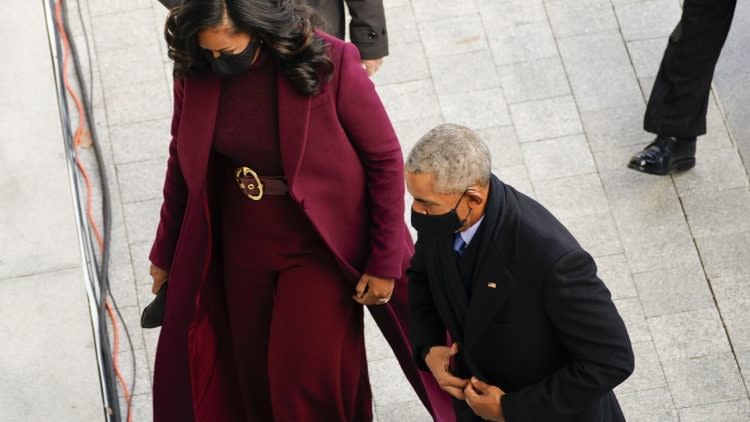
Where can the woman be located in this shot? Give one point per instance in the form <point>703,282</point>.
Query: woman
<point>282,216</point>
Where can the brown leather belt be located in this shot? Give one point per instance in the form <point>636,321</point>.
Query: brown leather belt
<point>255,187</point>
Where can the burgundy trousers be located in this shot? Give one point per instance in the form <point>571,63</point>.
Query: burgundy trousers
<point>297,334</point>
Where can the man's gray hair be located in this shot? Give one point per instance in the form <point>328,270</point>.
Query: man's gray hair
<point>455,155</point>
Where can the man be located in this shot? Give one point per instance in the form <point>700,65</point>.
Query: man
<point>535,335</point>
<point>366,30</point>
<point>677,108</point>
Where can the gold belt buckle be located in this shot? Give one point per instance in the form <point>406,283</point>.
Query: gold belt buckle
<point>249,182</point>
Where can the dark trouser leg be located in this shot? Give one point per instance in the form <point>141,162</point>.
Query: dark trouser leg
<point>316,358</point>
<point>679,98</point>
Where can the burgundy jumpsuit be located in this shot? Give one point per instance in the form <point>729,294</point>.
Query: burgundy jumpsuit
<point>297,334</point>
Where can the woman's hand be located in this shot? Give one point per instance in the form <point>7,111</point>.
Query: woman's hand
<point>372,66</point>
<point>160,277</point>
<point>373,290</point>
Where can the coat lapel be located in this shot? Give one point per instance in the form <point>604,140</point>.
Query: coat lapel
<point>196,130</point>
<point>493,281</point>
<point>448,281</point>
<point>294,122</point>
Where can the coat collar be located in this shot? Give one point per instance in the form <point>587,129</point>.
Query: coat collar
<point>198,121</point>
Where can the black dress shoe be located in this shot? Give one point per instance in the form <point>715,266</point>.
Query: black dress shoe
<point>664,155</point>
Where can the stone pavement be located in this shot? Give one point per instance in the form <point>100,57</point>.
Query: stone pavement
<point>557,89</point>
<point>48,369</point>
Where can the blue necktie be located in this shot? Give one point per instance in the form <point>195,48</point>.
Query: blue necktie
<point>459,245</point>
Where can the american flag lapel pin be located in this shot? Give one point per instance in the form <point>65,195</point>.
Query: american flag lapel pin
<point>492,285</point>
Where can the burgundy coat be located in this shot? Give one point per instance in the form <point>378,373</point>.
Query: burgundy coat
<point>344,166</point>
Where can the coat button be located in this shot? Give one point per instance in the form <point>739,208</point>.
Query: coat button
<point>372,35</point>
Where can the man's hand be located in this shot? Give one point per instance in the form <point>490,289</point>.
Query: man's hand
<point>438,360</point>
<point>160,276</point>
<point>373,290</point>
<point>484,400</point>
<point>372,66</point>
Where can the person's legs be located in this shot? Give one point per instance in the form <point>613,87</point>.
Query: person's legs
<point>316,358</point>
<point>676,110</point>
<point>249,298</point>
<point>679,98</point>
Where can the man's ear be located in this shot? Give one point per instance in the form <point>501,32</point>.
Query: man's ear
<point>475,196</point>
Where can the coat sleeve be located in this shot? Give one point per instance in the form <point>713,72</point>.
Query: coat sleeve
<point>366,123</point>
<point>591,330</point>
<point>426,329</point>
<point>367,29</point>
<point>175,195</point>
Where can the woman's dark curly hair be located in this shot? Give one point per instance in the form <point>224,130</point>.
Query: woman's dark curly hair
<point>286,28</point>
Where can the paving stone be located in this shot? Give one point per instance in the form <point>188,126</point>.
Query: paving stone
<point>141,141</point>
<point>704,380</point>
<point>517,177</point>
<point>48,349</point>
<point>596,233</point>
<point>725,255</point>
<point>522,43</point>
<point>559,157</point>
<point>128,104</point>
<point>733,297</point>
<point>546,119</point>
<point>614,271</point>
<point>646,84</point>
<point>689,335</point>
<point>139,254</point>
<point>477,110</point>
<point>141,219</point>
<point>131,320</point>
<point>734,411</point>
<point>108,30</point>
<point>583,17</point>
<point>534,80</point>
<point>141,407</point>
<point>671,291</point>
<point>402,25</point>
<point>716,170</point>
<point>658,248</point>
<point>403,56</point>
<point>600,81</point>
<point>389,384</point>
<point>410,100</point>
<point>613,159</point>
<point>632,313</point>
<point>142,180</point>
<point>412,411</point>
<point>396,3</point>
<point>501,14</point>
<point>455,35</point>
<point>648,406</point>
<point>572,196</point>
<point>151,337</point>
<point>411,131</point>
<point>503,146</point>
<point>130,66</point>
<point>647,55</point>
<point>462,73</point>
<point>430,10</point>
<point>717,136</point>
<point>648,19</point>
<point>718,213</point>
<point>142,372</point>
<point>105,7</point>
<point>743,359</point>
<point>648,374</point>
<point>615,128</point>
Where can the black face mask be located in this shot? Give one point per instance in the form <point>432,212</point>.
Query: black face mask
<point>228,65</point>
<point>442,224</point>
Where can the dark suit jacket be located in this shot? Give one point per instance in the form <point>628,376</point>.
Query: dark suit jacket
<point>367,29</point>
<point>540,323</point>
<point>344,168</point>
